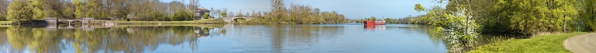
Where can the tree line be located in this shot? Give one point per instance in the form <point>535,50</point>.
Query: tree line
<point>515,16</point>
<point>144,10</point>
<point>404,20</point>
<point>296,14</point>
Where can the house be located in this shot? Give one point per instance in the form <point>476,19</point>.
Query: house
<point>200,12</point>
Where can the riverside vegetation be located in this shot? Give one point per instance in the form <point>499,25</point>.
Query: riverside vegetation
<point>150,10</point>
<point>461,21</point>
<point>142,10</point>
<point>296,14</point>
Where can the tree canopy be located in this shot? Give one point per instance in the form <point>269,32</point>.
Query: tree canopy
<point>516,16</point>
<point>19,11</point>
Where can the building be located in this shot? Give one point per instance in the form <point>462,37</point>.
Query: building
<point>200,12</point>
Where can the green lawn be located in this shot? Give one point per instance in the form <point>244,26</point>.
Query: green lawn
<point>202,21</point>
<point>540,44</point>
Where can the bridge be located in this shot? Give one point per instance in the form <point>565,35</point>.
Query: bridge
<point>235,19</point>
<point>54,23</point>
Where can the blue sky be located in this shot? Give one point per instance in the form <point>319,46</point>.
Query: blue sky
<point>352,9</point>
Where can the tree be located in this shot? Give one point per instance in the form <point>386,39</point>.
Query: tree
<point>530,16</point>
<point>79,8</point>
<point>92,7</point>
<point>205,16</point>
<point>38,9</point>
<point>224,14</point>
<point>19,11</point>
<point>3,7</point>
<point>419,7</point>
<point>587,12</point>
<point>373,18</point>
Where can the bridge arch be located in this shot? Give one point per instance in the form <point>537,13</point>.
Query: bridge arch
<point>237,19</point>
<point>240,20</point>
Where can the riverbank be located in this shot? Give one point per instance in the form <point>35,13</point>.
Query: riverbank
<point>120,22</point>
<point>540,44</point>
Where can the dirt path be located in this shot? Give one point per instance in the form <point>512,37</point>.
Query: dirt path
<point>582,43</point>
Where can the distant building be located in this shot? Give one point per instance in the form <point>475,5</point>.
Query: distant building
<point>200,12</point>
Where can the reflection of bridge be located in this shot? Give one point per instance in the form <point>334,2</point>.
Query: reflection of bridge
<point>234,19</point>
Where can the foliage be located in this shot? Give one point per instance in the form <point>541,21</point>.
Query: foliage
<point>466,17</point>
<point>457,27</point>
<point>529,16</point>
<point>540,44</point>
<point>515,16</point>
<point>79,8</point>
<point>19,11</point>
<point>296,14</point>
<point>419,7</point>
<point>182,16</point>
<point>587,12</point>
<point>372,18</point>
<point>224,14</point>
<point>205,16</point>
<point>38,9</point>
<point>3,18</point>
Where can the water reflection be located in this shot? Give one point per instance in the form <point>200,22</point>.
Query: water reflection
<point>325,38</point>
<point>110,40</point>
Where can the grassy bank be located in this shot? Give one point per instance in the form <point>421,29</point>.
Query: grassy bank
<point>202,21</point>
<point>540,44</point>
<point>195,25</point>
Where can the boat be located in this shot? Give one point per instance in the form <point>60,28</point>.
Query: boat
<point>380,22</point>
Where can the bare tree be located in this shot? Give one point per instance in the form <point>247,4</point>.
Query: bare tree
<point>3,6</point>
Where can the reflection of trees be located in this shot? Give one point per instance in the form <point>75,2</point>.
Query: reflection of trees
<point>455,45</point>
<point>424,29</point>
<point>110,40</point>
<point>5,45</point>
<point>283,35</point>
<point>35,39</point>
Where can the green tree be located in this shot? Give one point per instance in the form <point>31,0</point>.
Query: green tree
<point>587,11</point>
<point>19,11</point>
<point>205,16</point>
<point>38,9</point>
<point>79,8</point>
<point>530,16</point>
<point>224,14</point>
<point>372,18</point>
<point>419,7</point>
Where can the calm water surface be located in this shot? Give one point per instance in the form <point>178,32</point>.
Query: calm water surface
<point>323,38</point>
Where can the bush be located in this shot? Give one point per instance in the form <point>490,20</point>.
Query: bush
<point>181,16</point>
<point>2,18</point>
<point>19,11</point>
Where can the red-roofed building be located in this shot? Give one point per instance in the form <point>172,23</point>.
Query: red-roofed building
<point>200,12</point>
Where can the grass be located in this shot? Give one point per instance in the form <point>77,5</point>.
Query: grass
<point>202,21</point>
<point>540,44</point>
<point>196,25</point>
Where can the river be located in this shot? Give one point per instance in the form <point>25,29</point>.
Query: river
<point>316,38</point>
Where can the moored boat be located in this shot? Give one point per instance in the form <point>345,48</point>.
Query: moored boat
<point>380,22</point>
<point>374,22</point>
